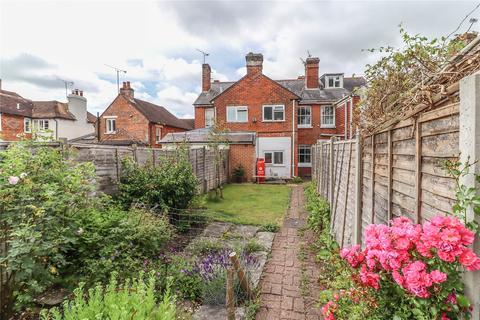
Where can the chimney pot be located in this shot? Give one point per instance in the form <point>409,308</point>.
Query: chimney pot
<point>206,77</point>
<point>126,90</point>
<point>254,63</point>
<point>311,73</point>
<point>81,93</point>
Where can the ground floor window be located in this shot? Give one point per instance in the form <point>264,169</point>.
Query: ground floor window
<point>304,155</point>
<point>41,125</point>
<point>209,117</point>
<point>274,157</point>
<point>158,134</point>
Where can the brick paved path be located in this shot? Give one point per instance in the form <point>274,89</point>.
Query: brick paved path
<point>288,287</point>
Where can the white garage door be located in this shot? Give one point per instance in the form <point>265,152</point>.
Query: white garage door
<point>277,153</point>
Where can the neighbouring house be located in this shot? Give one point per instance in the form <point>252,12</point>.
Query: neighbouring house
<point>287,116</point>
<point>128,120</point>
<point>21,117</point>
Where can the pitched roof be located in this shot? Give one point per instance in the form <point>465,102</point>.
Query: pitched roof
<point>297,86</point>
<point>51,109</point>
<point>91,118</point>
<point>12,103</point>
<point>159,114</point>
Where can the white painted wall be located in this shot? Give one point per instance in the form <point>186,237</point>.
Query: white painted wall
<point>276,144</point>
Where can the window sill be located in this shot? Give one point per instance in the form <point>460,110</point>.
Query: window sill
<point>267,121</point>
<point>114,132</point>
<point>305,127</point>
<point>325,126</point>
<point>304,165</point>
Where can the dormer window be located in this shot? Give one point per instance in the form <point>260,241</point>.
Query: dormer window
<point>334,81</point>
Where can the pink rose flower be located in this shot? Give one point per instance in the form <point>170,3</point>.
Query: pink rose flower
<point>13,180</point>
<point>438,276</point>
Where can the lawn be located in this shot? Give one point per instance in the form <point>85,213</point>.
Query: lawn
<point>250,204</point>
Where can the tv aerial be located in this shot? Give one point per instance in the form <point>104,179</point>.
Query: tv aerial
<point>118,70</point>
<point>205,54</point>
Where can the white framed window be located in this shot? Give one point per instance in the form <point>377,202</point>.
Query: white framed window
<point>237,114</point>
<point>273,157</point>
<point>304,155</point>
<point>41,125</point>
<point>334,81</point>
<point>110,125</point>
<point>158,134</point>
<point>27,125</point>
<point>327,117</point>
<point>304,116</point>
<point>209,117</point>
<point>273,112</point>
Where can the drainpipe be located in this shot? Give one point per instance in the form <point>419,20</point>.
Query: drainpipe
<point>351,116</point>
<point>293,140</point>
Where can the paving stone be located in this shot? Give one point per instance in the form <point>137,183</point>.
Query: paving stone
<point>216,229</point>
<point>207,312</point>
<point>265,239</point>
<point>247,232</point>
<point>256,272</point>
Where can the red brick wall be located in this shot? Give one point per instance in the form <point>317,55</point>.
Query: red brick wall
<point>12,127</point>
<point>131,123</point>
<point>199,117</point>
<point>243,154</point>
<point>254,91</point>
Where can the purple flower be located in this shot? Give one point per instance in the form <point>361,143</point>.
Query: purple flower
<point>13,180</point>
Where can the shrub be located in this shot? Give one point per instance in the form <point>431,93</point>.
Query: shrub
<point>253,246</point>
<point>239,173</point>
<point>41,191</point>
<point>171,184</point>
<point>416,270</point>
<point>135,299</point>
<point>270,227</point>
<point>112,239</point>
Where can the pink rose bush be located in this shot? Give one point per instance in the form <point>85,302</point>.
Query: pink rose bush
<point>426,261</point>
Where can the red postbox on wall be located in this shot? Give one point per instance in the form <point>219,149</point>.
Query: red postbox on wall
<point>260,170</point>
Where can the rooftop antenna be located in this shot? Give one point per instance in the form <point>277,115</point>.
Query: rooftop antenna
<point>472,22</point>
<point>67,84</point>
<point>118,70</point>
<point>205,55</point>
<point>308,53</point>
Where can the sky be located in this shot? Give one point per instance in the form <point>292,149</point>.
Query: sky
<point>45,42</point>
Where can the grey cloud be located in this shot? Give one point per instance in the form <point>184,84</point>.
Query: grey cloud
<point>37,71</point>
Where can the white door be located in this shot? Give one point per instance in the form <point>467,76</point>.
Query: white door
<point>277,152</point>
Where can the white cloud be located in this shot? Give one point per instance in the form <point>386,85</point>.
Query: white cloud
<point>156,42</point>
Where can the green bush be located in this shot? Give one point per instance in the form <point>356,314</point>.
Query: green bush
<point>253,246</point>
<point>170,184</point>
<point>239,173</point>
<point>40,194</point>
<point>112,239</point>
<point>133,300</point>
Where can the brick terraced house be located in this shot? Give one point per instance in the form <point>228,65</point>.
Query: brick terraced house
<point>128,120</point>
<point>20,117</point>
<point>286,116</point>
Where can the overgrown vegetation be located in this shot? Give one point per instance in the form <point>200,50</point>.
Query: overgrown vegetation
<point>134,299</point>
<point>402,77</point>
<point>59,232</point>
<point>169,184</point>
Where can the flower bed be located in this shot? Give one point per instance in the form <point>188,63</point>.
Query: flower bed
<point>415,269</point>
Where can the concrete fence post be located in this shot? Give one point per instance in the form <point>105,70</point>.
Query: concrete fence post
<point>470,149</point>
<point>357,226</point>
<point>331,174</point>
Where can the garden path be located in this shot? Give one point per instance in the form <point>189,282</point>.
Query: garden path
<point>288,288</point>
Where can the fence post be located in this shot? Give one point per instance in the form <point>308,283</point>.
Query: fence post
<point>230,295</point>
<point>357,225</point>
<point>331,168</point>
<point>469,143</point>
<point>205,184</point>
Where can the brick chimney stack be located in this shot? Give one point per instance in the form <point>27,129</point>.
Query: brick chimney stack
<point>311,73</point>
<point>254,63</point>
<point>126,90</point>
<point>206,77</point>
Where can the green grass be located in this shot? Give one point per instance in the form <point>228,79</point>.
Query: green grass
<point>254,204</point>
